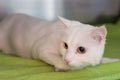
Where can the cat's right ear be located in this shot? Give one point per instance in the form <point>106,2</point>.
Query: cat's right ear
<point>99,34</point>
<point>66,22</point>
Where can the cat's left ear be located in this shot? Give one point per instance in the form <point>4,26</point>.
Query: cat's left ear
<point>99,34</point>
<point>66,22</point>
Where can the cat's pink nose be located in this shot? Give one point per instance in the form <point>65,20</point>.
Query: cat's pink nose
<point>67,61</point>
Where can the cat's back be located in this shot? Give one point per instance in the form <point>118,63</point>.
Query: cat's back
<point>19,19</point>
<point>22,23</point>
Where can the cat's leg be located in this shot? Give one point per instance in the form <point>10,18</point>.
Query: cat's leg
<point>108,60</point>
<point>58,63</point>
<point>55,60</point>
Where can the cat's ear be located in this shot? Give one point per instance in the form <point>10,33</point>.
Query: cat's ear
<point>66,22</point>
<point>99,34</point>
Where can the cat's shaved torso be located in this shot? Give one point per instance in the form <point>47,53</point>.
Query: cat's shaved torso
<point>25,32</point>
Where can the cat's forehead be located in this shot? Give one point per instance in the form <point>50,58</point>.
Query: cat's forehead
<point>81,26</point>
<point>80,29</point>
<point>79,34</point>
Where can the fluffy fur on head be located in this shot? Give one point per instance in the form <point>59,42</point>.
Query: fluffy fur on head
<point>78,35</point>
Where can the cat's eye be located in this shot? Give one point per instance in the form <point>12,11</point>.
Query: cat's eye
<point>81,50</point>
<point>65,45</point>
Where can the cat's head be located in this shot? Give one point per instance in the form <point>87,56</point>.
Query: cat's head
<point>82,44</point>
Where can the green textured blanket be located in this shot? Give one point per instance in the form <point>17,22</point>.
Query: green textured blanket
<point>15,68</point>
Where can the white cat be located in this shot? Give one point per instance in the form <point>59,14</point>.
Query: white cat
<point>66,44</point>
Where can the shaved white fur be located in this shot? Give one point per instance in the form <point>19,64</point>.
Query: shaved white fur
<point>28,37</point>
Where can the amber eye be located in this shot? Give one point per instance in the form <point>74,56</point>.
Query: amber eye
<point>81,50</point>
<point>65,45</point>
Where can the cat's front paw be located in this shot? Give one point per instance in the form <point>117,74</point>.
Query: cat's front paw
<point>61,70</point>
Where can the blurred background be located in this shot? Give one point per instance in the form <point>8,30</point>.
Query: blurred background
<point>86,11</point>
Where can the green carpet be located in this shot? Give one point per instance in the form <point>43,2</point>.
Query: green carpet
<point>15,68</point>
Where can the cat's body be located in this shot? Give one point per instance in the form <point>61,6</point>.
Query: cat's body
<point>21,34</point>
<point>67,45</point>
